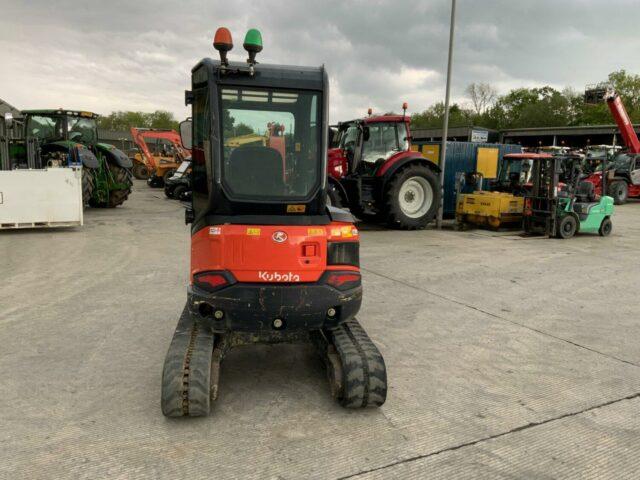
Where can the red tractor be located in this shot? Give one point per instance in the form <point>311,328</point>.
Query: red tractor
<point>373,171</point>
<point>270,261</point>
<point>623,172</point>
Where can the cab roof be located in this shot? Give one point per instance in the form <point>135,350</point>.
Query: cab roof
<point>62,111</point>
<point>531,156</point>
<point>267,75</point>
<point>379,119</point>
<point>387,118</point>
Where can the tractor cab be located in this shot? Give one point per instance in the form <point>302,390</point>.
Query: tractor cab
<point>365,144</point>
<point>514,174</point>
<point>560,204</point>
<point>56,138</point>
<point>374,172</point>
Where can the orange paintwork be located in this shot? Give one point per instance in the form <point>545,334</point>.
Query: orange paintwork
<point>223,37</point>
<point>251,254</point>
<point>159,164</point>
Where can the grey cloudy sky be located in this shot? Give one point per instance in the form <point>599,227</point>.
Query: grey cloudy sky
<point>137,54</point>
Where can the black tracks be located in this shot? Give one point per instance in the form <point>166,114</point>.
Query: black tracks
<point>186,376</point>
<point>357,372</point>
<point>364,374</point>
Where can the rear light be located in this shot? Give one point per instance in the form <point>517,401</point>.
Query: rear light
<point>343,280</point>
<point>212,281</point>
<point>343,253</point>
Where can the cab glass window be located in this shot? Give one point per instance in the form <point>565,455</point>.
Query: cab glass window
<point>270,143</point>
<point>46,128</point>
<point>82,130</point>
<point>382,142</point>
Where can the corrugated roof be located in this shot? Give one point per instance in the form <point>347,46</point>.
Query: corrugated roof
<point>7,107</point>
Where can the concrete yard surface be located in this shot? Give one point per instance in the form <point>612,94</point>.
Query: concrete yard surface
<point>508,357</point>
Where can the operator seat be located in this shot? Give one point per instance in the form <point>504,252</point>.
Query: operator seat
<point>255,170</point>
<point>585,199</point>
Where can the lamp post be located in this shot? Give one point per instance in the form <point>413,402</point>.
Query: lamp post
<point>445,124</point>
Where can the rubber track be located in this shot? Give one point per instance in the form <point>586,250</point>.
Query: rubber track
<point>363,369</point>
<point>187,370</point>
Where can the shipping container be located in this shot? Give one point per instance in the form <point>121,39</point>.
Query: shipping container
<point>465,157</point>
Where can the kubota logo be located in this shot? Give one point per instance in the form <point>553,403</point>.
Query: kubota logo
<point>279,236</point>
<point>278,277</point>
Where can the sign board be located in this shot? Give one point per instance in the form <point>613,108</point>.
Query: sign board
<point>479,136</point>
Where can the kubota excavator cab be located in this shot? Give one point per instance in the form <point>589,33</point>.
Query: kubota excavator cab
<point>270,262</point>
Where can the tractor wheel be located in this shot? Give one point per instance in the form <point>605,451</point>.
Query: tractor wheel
<point>179,192</point>
<point>120,175</point>
<point>619,190</point>
<point>140,170</point>
<point>168,190</point>
<point>88,184</point>
<point>605,227</point>
<point>335,197</point>
<point>567,227</point>
<point>412,198</point>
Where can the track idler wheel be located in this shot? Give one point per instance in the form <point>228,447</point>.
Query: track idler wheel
<point>355,367</point>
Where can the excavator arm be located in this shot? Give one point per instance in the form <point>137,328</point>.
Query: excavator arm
<point>140,135</point>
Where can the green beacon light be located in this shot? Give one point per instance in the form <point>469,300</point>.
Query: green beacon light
<point>252,44</point>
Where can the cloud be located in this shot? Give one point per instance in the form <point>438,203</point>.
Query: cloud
<point>118,55</point>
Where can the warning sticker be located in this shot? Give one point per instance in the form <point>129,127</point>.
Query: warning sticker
<point>295,208</point>
<point>315,232</point>
<point>253,231</point>
<point>215,230</point>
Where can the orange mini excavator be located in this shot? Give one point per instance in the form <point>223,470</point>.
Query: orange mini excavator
<point>270,261</point>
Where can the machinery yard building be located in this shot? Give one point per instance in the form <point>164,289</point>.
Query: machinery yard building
<point>573,136</point>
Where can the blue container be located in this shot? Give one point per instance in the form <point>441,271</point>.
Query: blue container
<point>462,158</point>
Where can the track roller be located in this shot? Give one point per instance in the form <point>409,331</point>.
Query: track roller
<point>355,367</point>
<point>191,370</point>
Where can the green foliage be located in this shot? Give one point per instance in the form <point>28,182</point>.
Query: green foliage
<point>242,129</point>
<point>533,107</point>
<point>433,116</point>
<point>123,120</point>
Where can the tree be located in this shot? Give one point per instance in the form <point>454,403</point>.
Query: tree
<point>482,96</point>
<point>531,107</point>
<point>242,129</point>
<point>628,87</point>
<point>124,120</point>
<point>434,116</point>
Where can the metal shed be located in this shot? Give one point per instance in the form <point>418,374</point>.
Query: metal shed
<point>465,157</point>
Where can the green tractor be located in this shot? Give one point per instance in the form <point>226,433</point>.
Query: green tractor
<point>65,137</point>
<point>559,204</point>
